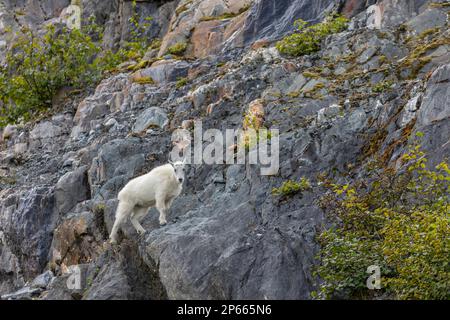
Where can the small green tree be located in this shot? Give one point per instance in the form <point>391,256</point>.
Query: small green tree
<point>399,222</point>
<point>37,67</point>
<point>307,40</point>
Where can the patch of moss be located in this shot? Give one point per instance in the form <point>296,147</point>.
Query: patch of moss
<point>382,86</point>
<point>144,80</point>
<point>439,4</point>
<point>308,39</point>
<point>310,74</point>
<point>181,82</point>
<point>99,208</point>
<point>183,8</point>
<point>156,44</point>
<point>7,180</point>
<point>227,15</point>
<point>290,187</point>
<point>178,49</point>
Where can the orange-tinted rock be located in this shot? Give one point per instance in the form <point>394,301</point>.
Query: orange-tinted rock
<point>194,72</point>
<point>72,243</point>
<point>255,115</point>
<point>290,67</point>
<point>260,44</point>
<point>207,38</point>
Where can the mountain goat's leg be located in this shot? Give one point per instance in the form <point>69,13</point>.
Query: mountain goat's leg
<point>123,210</point>
<point>161,206</point>
<point>135,216</point>
<point>169,202</point>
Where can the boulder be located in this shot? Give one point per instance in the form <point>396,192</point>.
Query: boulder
<point>152,117</point>
<point>165,71</point>
<point>71,189</point>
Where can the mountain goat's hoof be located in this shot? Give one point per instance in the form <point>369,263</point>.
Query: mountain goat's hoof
<point>113,241</point>
<point>162,224</point>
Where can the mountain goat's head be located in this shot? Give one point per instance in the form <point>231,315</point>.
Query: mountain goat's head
<point>178,167</point>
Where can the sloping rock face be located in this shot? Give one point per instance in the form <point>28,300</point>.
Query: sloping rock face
<point>364,95</point>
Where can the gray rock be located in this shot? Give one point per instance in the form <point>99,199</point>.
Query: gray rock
<point>166,71</point>
<point>27,222</point>
<point>327,113</point>
<point>367,54</point>
<point>9,131</point>
<point>430,18</point>
<point>436,102</point>
<point>153,116</point>
<point>71,189</point>
<point>42,280</point>
<point>25,293</point>
<point>271,20</point>
<point>121,274</point>
<point>58,290</point>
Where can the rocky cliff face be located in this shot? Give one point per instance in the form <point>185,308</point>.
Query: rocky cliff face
<point>228,237</point>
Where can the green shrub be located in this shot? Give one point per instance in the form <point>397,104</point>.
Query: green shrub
<point>289,188</point>
<point>138,43</point>
<point>382,86</point>
<point>178,49</point>
<point>37,67</point>
<point>399,222</point>
<point>308,39</point>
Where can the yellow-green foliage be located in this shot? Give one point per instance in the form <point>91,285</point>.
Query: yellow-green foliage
<point>184,7</point>
<point>99,208</point>
<point>399,223</point>
<point>178,49</point>
<point>181,82</point>
<point>224,16</point>
<point>290,187</point>
<point>307,40</point>
<point>227,15</point>
<point>144,80</point>
<point>38,66</point>
<point>137,45</point>
<point>382,86</point>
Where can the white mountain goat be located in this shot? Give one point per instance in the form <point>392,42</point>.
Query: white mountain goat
<point>158,188</point>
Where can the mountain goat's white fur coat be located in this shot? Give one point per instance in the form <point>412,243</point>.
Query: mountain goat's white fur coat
<point>158,188</point>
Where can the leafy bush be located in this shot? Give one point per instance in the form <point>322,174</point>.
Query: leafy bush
<point>178,49</point>
<point>37,67</point>
<point>289,188</point>
<point>399,222</point>
<point>382,86</point>
<point>308,39</point>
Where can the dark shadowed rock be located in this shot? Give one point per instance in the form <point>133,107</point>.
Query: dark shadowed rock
<point>121,274</point>
<point>28,221</point>
<point>271,19</point>
<point>72,188</point>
